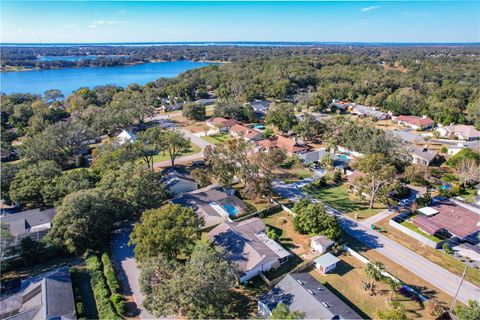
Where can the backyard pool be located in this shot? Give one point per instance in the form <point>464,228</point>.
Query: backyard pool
<point>231,209</point>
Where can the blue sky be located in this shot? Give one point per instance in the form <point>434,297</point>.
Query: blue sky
<point>338,21</point>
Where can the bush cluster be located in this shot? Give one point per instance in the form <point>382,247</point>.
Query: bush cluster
<point>79,308</point>
<point>112,282</point>
<point>100,290</point>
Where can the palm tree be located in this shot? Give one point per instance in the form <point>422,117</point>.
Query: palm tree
<point>374,271</point>
<point>393,287</point>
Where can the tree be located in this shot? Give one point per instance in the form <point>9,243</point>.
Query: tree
<point>29,183</point>
<point>169,231</point>
<point>174,143</point>
<point>5,236</point>
<point>308,128</point>
<point>465,154</point>
<point>134,183</point>
<point>374,271</point>
<point>416,174</point>
<point>378,174</point>
<point>312,218</point>
<point>193,111</point>
<point>53,95</point>
<point>281,311</point>
<point>201,289</point>
<point>395,312</point>
<point>85,220</point>
<point>282,117</point>
<point>30,251</point>
<point>327,162</point>
<point>468,172</point>
<point>469,312</point>
<point>201,177</point>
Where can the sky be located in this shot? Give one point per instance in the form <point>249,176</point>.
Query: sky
<point>323,21</point>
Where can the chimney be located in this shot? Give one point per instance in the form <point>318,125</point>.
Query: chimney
<point>425,148</point>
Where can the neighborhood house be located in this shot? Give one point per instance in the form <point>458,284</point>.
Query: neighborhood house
<point>177,182</point>
<point>249,247</point>
<point>460,132</point>
<point>241,131</point>
<point>212,204</point>
<point>302,292</point>
<point>290,146</point>
<point>126,136</point>
<point>320,243</point>
<point>47,296</point>
<point>422,155</point>
<point>326,263</point>
<point>221,124</point>
<point>365,111</point>
<point>417,123</point>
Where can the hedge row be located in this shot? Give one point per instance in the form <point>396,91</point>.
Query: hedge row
<point>79,307</point>
<point>112,282</point>
<point>100,290</point>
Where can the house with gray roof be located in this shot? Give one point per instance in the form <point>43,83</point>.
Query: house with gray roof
<point>212,204</point>
<point>47,296</point>
<point>422,155</point>
<point>33,223</point>
<point>302,292</point>
<point>248,247</point>
<point>261,105</point>
<point>177,182</point>
<point>370,112</point>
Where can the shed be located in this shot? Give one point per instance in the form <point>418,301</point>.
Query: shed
<point>326,262</point>
<point>320,243</point>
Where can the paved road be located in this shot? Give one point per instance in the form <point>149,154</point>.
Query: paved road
<point>124,258</point>
<point>374,219</point>
<point>425,269</point>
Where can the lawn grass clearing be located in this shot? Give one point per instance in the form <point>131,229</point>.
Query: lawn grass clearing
<point>442,259</point>
<point>339,198</point>
<point>216,138</point>
<point>162,156</point>
<point>416,229</point>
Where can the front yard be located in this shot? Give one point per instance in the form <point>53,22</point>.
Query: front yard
<point>413,227</point>
<point>216,138</point>
<point>162,156</point>
<point>339,198</point>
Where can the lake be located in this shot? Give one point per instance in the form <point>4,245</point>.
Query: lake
<point>68,80</point>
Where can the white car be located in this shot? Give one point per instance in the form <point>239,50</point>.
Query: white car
<point>405,202</point>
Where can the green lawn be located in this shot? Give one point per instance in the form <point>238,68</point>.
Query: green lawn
<point>216,138</point>
<point>164,156</point>
<point>339,198</point>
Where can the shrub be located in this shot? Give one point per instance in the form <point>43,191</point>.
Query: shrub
<point>282,220</point>
<point>109,273</point>
<point>79,308</point>
<point>444,150</point>
<point>100,291</point>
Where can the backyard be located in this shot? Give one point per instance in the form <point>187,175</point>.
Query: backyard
<point>162,156</point>
<point>339,198</point>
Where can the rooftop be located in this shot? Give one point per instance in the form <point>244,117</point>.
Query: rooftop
<point>302,292</point>
<point>26,221</point>
<point>326,260</point>
<point>416,121</point>
<point>423,152</point>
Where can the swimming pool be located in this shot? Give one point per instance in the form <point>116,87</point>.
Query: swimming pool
<point>231,209</point>
<point>344,157</point>
<point>259,126</point>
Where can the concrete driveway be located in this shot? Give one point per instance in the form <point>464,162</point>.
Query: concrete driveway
<point>123,257</point>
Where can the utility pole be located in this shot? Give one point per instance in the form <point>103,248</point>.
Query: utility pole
<point>458,289</point>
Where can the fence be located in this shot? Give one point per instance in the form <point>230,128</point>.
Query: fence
<point>262,213</point>
<point>415,235</point>
<point>301,267</point>
<point>384,273</point>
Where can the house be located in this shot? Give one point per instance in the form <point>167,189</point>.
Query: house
<point>313,156</point>
<point>248,247</point>
<point>417,123</point>
<point>177,182</point>
<point>460,132</point>
<point>221,124</point>
<point>302,292</point>
<point>126,136</point>
<point>370,112</point>
<point>320,243</point>
<point>261,106</point>
<point>341,105</point>
<point>205,102</point>
<point>212,204</point>
<point>290,146</point>
<point>326,263</point>
<point>407,136</point>
<point>47,296</point>
<point>241,131</point>
<point>422,155</point>
<point>33,223</point>
<point>449,219</point>
<point>454,149</point>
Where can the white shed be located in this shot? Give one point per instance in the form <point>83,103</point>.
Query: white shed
<point>320,243</point>
<point>326,262</point>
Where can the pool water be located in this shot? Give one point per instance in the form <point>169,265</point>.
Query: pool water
<point>259,126</point>
<point>231,209</point>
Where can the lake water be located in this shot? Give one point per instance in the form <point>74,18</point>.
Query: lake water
<point>68,80</point>
<point>76,58</point>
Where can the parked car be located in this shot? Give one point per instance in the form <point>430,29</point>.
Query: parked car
<point>405,202</point>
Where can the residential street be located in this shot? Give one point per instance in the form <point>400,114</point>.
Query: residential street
<point>123,257</point>
<point>425,269</point>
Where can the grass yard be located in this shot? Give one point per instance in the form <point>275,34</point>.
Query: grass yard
<point>294,174</point>
<point>346,282</point>
<point>442,259</point>
<point>291,239</point>
<point>216,138</point>
<point>164,156</point>
<point>339,198</point>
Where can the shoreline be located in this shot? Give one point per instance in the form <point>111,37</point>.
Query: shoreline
<point>23,69</point>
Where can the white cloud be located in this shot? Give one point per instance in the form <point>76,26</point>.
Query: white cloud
<point>366,9</point>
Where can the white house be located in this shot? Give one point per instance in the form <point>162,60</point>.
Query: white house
<point>126,136</point>
<point>460,132</point>
<point>320,243</point>
<point>326,262</point>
